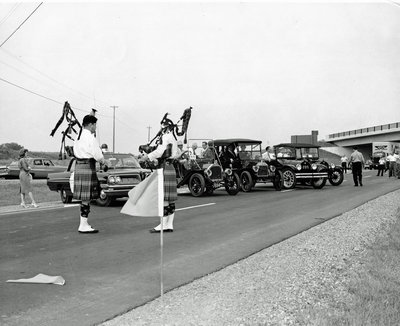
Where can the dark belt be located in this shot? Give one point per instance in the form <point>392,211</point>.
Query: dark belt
<point>83,160</point>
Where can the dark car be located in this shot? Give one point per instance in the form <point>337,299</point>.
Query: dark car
<point>374,162</point>
<point>203,176</point>
<point>124,173</point>
<point>311,153</point>
<point>40,168</point>
<point>301,165</point>
<point>248,163</point>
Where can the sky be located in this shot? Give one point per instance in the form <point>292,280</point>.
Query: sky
<point>259,70</point>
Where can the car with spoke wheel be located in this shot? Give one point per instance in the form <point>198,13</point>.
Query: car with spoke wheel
<point>302,166</point>
<point>122,174</point>
<point>248,163</point>
<point>203,175</point>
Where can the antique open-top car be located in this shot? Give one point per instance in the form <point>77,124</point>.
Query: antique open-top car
<point>302,165</point>
<point>248,163</point>
<point>123,173</point>
<point>204,175</point>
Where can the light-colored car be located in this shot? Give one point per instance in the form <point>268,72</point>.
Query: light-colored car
<point>123,173</point>
<point>40,168</point>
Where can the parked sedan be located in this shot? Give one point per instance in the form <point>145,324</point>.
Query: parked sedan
<point>123,173</point>
<point>40,168</point>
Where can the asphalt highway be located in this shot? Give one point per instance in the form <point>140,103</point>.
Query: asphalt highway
<point>119,268</point>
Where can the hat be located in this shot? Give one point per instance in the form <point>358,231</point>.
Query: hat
<point>89,119</point>
<point>22,152</point>
<point>179,143</point>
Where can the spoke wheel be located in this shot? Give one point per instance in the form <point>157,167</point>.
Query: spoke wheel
<point>197,185</point>
<point>246,181</point>
<point>289,179</point>
<point>232,184</point>
<point>336,178</point>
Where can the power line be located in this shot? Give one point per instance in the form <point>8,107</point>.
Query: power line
<point>42,74</point>
<point>21,24</point>
<point>43,96</point>
<point>10,13</point>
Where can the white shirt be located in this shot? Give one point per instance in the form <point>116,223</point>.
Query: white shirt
<point>344,159</point>
<point>167,138</point>
<point>88,146</point>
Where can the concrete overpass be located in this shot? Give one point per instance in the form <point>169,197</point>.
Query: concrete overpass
<point>367,138</point>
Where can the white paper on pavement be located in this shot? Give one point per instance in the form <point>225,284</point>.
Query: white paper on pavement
<point>41,278</point>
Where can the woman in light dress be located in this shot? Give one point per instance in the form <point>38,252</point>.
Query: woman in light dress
<point>25,178</point>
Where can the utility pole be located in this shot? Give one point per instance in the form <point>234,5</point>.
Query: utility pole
<point>114,107</point>
<point>148,133</point>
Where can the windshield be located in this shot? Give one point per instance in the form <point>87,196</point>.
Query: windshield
<point>310,153</point>
<point>249,151</point>
<point>118,161</point>
<point>285,152</point>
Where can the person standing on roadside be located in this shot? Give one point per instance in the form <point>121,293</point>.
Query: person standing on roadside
<point>344,161</point>
<point>397,167</point>
<point>86,185</point>
<point>381,166</point>
<point>392,164</point>
<point>357,163</point>
<point>25,178</point>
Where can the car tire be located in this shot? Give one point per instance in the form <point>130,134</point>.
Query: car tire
<point>232,184</point>
<point>318,183</point>
<point>104,200</point>
<point>289,178</point>
<point>65,198</point>
<point>197,185</point>
<point>336,178</point>
<point>246,181</point>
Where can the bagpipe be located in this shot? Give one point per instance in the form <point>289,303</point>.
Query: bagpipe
<point>167,125</point>
<point>72,125</point>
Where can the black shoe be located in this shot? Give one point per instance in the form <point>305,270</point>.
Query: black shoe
<point>361,184</point>
<point>92,231</point>
<point>158,231</point>
<point>355,185</point>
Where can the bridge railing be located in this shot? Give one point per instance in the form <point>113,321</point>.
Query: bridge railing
<point>363,131</point>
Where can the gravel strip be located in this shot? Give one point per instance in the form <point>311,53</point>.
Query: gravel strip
<point>272,286</point>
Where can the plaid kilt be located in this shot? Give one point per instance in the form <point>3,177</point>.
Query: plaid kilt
<point>170,193</point>
<point>86,184</point>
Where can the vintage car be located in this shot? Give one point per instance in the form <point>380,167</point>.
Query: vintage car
<point>248,163</point>
<point>40,168</point>
<point>301,165</point>
<point>123,173</point>
<point>203,176</point>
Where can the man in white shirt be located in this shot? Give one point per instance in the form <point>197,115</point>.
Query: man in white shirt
<point>391,158</point>
<point>86,185</point>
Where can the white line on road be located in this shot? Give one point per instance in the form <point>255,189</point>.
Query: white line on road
<point>190,207</point>
<point>287,190</point>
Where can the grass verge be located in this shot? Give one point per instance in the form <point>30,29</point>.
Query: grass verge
<point>373,286</point>
<point>9,190</point>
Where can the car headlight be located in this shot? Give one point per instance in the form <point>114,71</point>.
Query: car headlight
<point>256,168</point>
<point>314,166</point>
<point>332,166</point>
<point>272,168</point>
<point>228,171</point>
<point>114,179</point>
<point>298,167</point>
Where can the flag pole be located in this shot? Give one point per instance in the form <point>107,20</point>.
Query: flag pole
<point>162,261</point>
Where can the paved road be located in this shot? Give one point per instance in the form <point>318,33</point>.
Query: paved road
<point>119,268</point>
